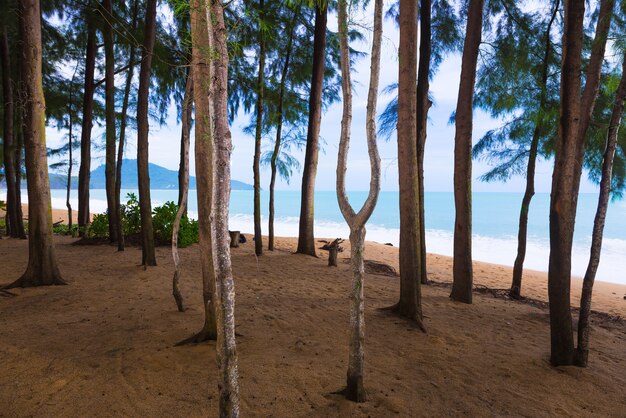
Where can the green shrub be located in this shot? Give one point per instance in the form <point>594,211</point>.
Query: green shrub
<point>130,214</point>
<point>99,227</point>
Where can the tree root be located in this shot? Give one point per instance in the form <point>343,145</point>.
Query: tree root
<point>413,319</point>
<point>198,338</point>
<point>34,282</point>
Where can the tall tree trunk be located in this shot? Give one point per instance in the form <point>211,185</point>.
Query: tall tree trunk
<point>258,239</point>
<point>84,172</point>
<point>355,390</point>
<point>109,77</point>
<point>574,121</point>
<point>228,380</point>
<point>70,165</point>
<point>462,263</point>
<point>203,96</point>
<point>122,140</point>
<point>184,188</point>
<point>148,256</point>
<point>518,266</point>
<point>410,303</point>
<point>18,139</point>
<point>9,147</point>
<point>423,105</point>
<point>42,266</point>
<point>582,354</point>
<point>279,128</point>
<point>306,239</point>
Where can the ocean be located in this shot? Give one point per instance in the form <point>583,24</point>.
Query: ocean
<point>495,223</point>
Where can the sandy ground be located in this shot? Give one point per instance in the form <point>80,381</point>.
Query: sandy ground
<point>103,345</point>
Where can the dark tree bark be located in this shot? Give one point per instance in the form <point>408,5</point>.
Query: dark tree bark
<point>122,140</point>
<point>14,224</point>
<point>70,163</point>
<point>148,256</point>
<point>423,105</point>
<point>42,266</point>
<point>84,172</point>
<point>109,56</point>
<point>573,124</point>
<point>582,354</point>
<point>258,239</point>
<point>228,375</point>
<point>518,266</point>
<point>462,263</point>
<point>306,239</point>
<point>410,303</point>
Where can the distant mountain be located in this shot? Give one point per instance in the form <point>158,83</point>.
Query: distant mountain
<point>160,178</point>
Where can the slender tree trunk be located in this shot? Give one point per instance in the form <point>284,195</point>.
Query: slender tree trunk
<point>355,390</point>
<point>306,239</point>
<point>9,148</point>
<point>148,256</point>
<point>228,380</point>
<point>462,263</point>
<point>84,172</point>
<point>582,354</point>
<point>410,303</point>
<point>184,187</point>
<point>19,140</point>
<point>107,33</point>
<point>42,266</point>
<point>70,165</point>
<point>203,95</point>
<point>279,128</point>
<point>258,239</point>
<point>423,105</point>
<point>574,121</point>
<point>122,140</point>
<point>518,266</point>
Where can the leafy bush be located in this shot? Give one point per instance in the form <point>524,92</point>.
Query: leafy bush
<point>131,218</point>
<point>62,229</point>
<point>99,227</point>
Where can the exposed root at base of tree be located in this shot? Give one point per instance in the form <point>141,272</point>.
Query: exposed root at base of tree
<point>6,293</point>
<point>198,338</point>
<point>33,282</point>
<point>395,310</point>
<point>358,395</point>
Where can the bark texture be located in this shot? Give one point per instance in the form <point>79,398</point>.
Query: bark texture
<point>306,238</point>
<point>148,257</point>
<point>462,262</point>
<point>582,354</point>
<point>355,390</point>
<point>42,266</point>
<point>256,166</point>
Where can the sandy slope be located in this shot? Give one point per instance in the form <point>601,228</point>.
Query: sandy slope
<point>103,345</point>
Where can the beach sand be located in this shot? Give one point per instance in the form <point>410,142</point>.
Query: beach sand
<point>104,344</point>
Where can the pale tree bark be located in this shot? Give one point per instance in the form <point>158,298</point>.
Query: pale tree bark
<point>228,374</point>
<point>518,266</point>
<point>148,256</point>
<point>258,239</point>
<point>462,262</point>
<point>306,238</point>
<point>84,171</point>
<point>410,303</point>
<point>355,390</point>
<point>423,105</point>
<point>109,76</point>
<point>573,124</point>
<point>582,354</point>
<point>42,266</point>
<point>184,190</point>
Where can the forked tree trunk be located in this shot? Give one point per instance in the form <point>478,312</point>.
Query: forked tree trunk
<point>109,77</point>
<point>228,380</point>
<point>306,238</point>
<point>410,303</point>
<point>570,151</point>
<point>582,354</point>
<point>423,105</point>
<point>123,121</point>
<point>84,172</point>
<point>462,262</point>
<point>279,129</point>
<point>42,266</point>
<point>522,236</point>
<point>258,239</point>
<point>184,189</point>
<point>203,74</point>
<point>148,256</point>
<point>355,390</point>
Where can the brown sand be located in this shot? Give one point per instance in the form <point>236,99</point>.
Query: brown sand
<point>103,345</point>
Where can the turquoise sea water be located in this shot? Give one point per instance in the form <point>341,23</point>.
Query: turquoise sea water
<point>495,223</point>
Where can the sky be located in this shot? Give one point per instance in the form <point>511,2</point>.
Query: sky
<point>439,151</point>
